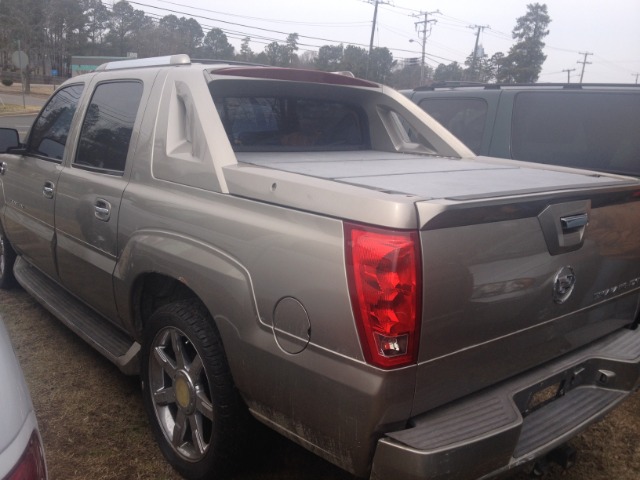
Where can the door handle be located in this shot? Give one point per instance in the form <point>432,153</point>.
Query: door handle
<point>48,189</point>
<point>3,168</point>
<point>102,210</point>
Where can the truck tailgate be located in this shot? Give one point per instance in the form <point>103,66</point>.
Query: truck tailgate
<point>510,284</point>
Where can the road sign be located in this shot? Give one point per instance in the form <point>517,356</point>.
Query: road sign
<point>20,59</point>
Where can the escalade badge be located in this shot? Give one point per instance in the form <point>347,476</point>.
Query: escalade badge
<point>563,284</point>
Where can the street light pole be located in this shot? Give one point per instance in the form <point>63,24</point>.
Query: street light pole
<point>421,61</point>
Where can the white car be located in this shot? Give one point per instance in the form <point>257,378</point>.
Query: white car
<point>21,452</point>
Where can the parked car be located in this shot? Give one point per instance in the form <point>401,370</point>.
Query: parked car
<point>314,250</point>
<point>575,125</point>
<point>21,452</point>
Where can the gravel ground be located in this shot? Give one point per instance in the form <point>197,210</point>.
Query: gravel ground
<point>94,427</point>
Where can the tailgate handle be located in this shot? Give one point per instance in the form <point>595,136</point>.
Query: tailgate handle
<point>574,221</point>
<point>564,225</point>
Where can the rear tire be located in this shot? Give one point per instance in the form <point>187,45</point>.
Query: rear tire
<point>196,413</point>
<point>7,260</point>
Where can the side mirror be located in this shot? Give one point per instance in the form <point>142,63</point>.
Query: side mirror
<point>9,139</point>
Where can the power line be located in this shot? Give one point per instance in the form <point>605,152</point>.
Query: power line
<point>272,20</point>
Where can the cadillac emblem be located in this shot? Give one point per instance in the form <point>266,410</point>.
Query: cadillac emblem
<point>563,284</point>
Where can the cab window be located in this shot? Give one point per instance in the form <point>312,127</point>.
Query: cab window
<point>48,136</point>
<point>107,127</point>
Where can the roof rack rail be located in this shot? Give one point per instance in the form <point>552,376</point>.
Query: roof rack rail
<point>498,86</point>
<point>450,84</point>
<point>215,61</point>
<point>181,59</point>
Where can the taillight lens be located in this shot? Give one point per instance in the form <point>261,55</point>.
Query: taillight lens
<point>32,464</point>
<point>383,269</point>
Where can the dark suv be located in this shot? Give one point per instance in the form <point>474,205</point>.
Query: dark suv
<point>576,125</point>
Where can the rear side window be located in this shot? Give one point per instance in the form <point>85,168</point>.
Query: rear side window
<point>259,123</point>
<point>49,133</point>
<point>107,127</point>
<point>464,117</point>
<point>594,130</point>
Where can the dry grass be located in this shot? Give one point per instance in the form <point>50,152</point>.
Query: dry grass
<point>38,90</point>
<point>94,426</point>
<point>11,109</point>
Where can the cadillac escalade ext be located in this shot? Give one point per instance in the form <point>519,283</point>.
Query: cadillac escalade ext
<point>314,250</point>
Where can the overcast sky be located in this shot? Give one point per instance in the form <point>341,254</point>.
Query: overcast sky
<point>610,31</point>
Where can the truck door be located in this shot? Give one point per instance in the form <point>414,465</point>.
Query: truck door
<point>30,180</point>
<point>90,192</point>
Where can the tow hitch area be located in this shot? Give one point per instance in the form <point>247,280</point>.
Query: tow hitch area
<point>564,456</point>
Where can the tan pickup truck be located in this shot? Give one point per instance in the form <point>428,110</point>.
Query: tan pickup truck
<point>314,250</point>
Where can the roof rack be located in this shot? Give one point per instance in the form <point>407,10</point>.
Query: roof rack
<point>450,84</point>
<point>213,61</point>
<point>498,86</point>
<point>181,59</point>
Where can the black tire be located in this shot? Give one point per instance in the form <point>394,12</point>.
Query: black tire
<point>7,260</point>
<point>196,413</point>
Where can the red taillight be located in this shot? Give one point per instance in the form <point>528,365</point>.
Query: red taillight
<point>32,464</point>
<point>383,269</point>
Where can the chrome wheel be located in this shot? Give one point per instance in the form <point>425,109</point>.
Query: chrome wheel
<point>181,393</point>
<point>197,415</point>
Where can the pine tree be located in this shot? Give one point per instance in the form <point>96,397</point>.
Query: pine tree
<point>523,63</point>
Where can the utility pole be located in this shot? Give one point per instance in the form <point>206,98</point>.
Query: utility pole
<point>422,33</point>
<point>569,70</point>
<point>636,75</point>
<point>373,27</point>
<point>584,63</point>
<point>475,48</point>
<point>373,30</point>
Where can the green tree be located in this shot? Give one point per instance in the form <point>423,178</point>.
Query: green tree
<point>380,65</point>
<point>123,24</point>
<point>330,57</point>
<point>146,41</point>
<point>408,75</point>
<point>354,60</point>
<point>482,70</point>
<point>97,18</point>
<point>282,55</point>
<point>64,30</point>
<point>308,60</point>
<point>272,53</point>
<point>524,61</point>
<point>289,56</point>
<point>216,45</point>
<point>246,54</point>
<point>448,73</point>
<point>22,26</point>
<point>180,35</point>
